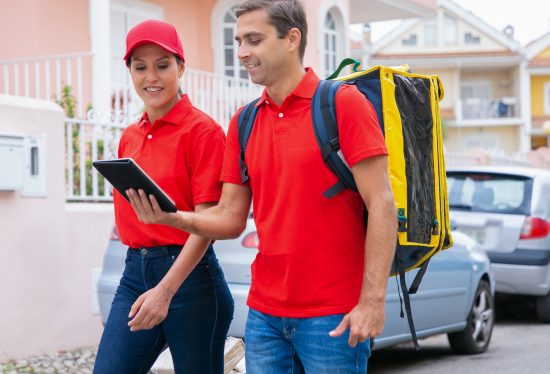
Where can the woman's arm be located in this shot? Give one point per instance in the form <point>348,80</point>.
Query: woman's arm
<point>151,308</point>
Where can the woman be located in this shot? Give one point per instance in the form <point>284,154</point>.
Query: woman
<point>172,292</point>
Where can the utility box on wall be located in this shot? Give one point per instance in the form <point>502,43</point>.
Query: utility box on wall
<point>23,164</point>
<point>12,162</point>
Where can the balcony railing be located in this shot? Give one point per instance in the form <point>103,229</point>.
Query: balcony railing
<point>52,77</point>
<point>89,135</point>
<point>46,77</point>
<point>478,108</point>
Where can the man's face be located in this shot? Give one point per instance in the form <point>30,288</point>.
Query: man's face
<point>261,51</point>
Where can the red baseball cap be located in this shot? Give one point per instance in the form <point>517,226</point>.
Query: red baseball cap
<point>154,32</point>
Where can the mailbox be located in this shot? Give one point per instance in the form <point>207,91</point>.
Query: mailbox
<point>12,162</point>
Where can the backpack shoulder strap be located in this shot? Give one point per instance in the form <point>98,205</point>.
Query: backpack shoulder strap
<point>245,123</point>
<point>325,128</point>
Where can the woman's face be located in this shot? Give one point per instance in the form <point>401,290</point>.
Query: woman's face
<point>155,73</point>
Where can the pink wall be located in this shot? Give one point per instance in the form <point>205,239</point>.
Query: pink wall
<point>192,20</point>
<point>37,27</point>
<point>49,248</point>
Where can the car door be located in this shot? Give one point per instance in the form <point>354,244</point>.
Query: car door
<point>235,257</point>
<point>442,297</point>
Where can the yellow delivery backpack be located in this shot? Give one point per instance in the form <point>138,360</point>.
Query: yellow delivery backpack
<point>407,106</point>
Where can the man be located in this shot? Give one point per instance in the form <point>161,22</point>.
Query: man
<point>319,280</point>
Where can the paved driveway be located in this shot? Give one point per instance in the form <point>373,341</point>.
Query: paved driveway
<point>520,345</point>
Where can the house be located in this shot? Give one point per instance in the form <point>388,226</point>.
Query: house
<point>538,68</point>
<point>80,45</point>
<point>483,71</point>
<point>70,51</point>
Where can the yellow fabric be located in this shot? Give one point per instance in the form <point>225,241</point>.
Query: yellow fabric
<point>396,157</point>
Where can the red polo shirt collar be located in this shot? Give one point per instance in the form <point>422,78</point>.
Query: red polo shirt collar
<point>174,116</point>
<point>305,89</point>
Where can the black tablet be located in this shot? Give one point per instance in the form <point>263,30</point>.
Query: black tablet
<point>125,173</point>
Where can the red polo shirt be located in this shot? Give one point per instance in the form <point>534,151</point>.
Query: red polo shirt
<point>183,153</point>
<point>311,251</point>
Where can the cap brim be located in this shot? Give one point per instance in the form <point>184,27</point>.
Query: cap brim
<point>148,41</point>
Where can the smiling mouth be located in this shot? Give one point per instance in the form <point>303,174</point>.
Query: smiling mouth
<point>251,66</point>
<point>153,89</point>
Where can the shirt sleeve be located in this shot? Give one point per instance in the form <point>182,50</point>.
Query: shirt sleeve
<point>207,158</point>
<point>358,128</point>
<point>231,171</point>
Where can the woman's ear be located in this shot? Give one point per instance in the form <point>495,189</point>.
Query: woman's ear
<point>181,69</point>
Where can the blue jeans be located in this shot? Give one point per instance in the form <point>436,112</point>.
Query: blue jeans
<point>279,345</point>
<point>195,327</point>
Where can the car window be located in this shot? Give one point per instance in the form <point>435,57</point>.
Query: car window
<point>489,192</point>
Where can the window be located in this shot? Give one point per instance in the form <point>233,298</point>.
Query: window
<point>450,30</point>
<point>430,32</point>
<point>410,41</point>
<point>330,44</point>
<point>231,64</point>
<point>489,192</point>
<point>469,38</point>
<point>476,99</point>
<point>547,98</point>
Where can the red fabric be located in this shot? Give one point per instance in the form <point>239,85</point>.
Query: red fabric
<point>156,32</point>
<point>184,156</point>
<point>311,252</point>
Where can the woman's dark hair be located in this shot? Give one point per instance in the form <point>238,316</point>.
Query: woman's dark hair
<point>282,14</point>
<point>129,60</point>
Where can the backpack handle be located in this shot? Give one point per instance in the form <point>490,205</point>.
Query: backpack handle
<point>345,62</point>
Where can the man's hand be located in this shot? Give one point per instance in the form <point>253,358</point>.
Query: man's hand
<point>147,208</point>
<point>150,308</point>
<point>364,321</point>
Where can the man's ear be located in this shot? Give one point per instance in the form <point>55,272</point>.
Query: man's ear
<point>294,38</point>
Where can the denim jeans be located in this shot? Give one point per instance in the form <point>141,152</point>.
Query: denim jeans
<point>195,327</point>
<point>278,345</point>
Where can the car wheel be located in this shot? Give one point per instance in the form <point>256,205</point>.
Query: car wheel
<point>476,336</point>
<point>543,308</point>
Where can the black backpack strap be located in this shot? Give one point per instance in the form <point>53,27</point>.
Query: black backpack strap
<point>325,128</point>
<point>407,299</point>
<point>245,122</point>
<point>418,278</point>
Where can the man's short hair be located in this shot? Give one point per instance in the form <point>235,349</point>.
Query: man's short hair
<point>282,14</point>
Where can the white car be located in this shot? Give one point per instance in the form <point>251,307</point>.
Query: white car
<point>507,210</point>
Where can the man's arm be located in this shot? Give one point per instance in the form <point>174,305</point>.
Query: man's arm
<point>227,220</point>
<point>367,318</point>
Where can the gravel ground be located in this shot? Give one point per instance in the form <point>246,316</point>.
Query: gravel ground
<point>77,361</point>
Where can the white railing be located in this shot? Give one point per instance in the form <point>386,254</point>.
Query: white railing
<point>70,75</point>
<point>493,158</point>
<point>86,141</point>
<point>218,95</point>
<point>93,139</point>
<point>477,108</point>
<point>47,77</point>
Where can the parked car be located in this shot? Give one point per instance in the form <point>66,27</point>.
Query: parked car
<point>455,296</point>
<point>507,210</point>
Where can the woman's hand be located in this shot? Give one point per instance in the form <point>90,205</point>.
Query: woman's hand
<point>150,309</point>
<point>147,208</point>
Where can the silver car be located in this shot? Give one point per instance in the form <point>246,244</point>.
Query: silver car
<point>455,296</point>
<point>507,210</point>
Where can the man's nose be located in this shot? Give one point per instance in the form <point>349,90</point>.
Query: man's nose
<point>243,52</point>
